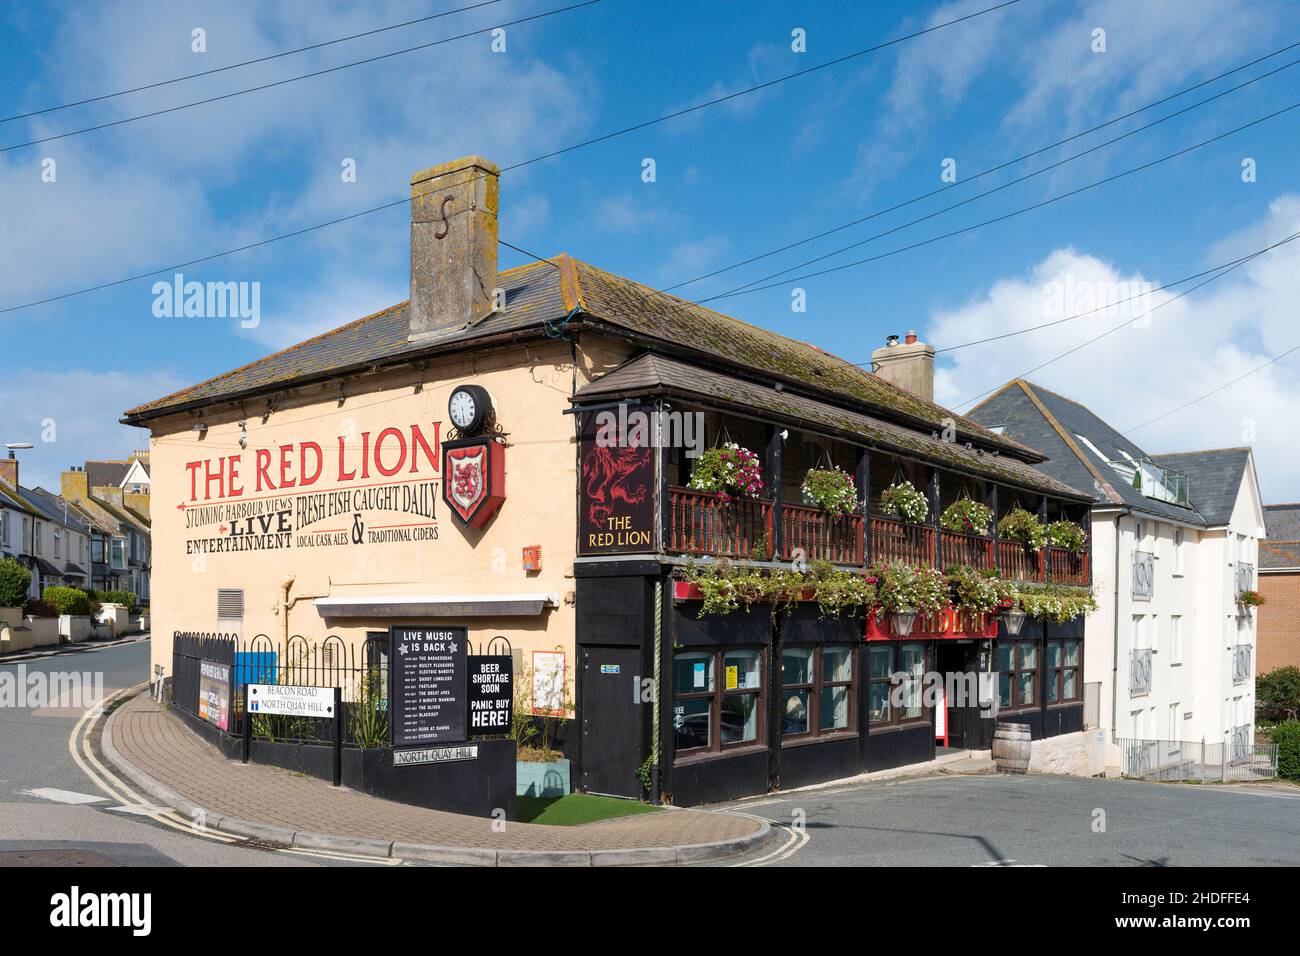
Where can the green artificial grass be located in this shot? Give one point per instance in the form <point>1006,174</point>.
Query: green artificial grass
<point>576,808</point>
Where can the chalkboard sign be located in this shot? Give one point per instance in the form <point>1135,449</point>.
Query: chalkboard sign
<point>428,678</point>
<point>491,694</point>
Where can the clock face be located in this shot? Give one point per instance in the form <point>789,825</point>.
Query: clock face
<point>462,408</point>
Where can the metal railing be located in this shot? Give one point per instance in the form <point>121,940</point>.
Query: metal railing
<point>1144,575</point>
<point>1233,760</point>
<point>1245,577</point>
<point>1139,672</point>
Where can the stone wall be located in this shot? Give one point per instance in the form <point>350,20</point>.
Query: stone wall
<point>1081,755</point>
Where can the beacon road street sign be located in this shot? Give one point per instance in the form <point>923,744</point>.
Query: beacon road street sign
<point>291,700</point>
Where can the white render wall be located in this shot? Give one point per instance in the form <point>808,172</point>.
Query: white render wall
<point>1192,697</point>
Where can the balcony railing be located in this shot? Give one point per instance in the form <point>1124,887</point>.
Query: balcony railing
<point>700,523</point>
<point>894,540</point>
<point>1139,672</point>
<point>1245,577</point>
<point>973,549</point>
<point>817,535</point>
<point>1144,575</point>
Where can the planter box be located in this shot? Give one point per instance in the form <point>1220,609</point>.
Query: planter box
<point>542,779</point>
<point>75,627</point>
<point>45,630</point>
<point>116,616</point>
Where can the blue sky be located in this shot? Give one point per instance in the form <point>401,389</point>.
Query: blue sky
<point>733,181</point>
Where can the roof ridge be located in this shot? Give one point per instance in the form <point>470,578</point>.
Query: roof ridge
<point>1102,484</point>
<point>1203,451</point>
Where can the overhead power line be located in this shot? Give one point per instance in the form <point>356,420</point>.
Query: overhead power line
<point>295,79</point>
<point>992,169</point>
<point>235,66</point>
<point>536,159</point>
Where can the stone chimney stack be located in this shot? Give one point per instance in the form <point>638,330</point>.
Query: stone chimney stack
<point>908,365</point>
<point>9,471</point>
<point>453,245</point>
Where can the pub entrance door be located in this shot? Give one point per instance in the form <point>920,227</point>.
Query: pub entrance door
<point>957,661</point>
<point>611,714</point>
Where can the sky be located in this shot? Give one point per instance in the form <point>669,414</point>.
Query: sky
<point>736,180</point>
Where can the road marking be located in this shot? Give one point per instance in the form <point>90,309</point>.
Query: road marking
<point>63,796</point>
<point>142,809</point>
<point>1008,863</point>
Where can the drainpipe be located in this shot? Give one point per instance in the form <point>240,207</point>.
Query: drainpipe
<point>1114,665</point>
<point>288,606</point>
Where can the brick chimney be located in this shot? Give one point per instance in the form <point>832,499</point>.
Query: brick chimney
<point>453,245</point>
<point>73,484</point>
<point>9,471</point>
<point>909,364</point>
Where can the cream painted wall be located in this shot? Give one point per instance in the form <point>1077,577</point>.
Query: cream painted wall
<point>530,387</point>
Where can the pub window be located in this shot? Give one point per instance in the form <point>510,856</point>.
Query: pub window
<point>717,700</point>
<point>1061,672</point>
<point>894,675</point>
<point>816,690</point>
<point>1018,674</point>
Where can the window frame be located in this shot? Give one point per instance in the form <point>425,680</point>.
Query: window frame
<point>1057,674</point>
<point>716,698</point>
<point>813,729</point>
<point>1017,669</point>
<point>896,720</point>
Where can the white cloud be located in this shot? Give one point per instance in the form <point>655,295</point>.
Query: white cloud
<point>71,416</point>
<point>1189,347</point>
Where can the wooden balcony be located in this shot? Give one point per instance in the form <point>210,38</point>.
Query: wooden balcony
<point>817,535</point>
<point>699,522</point>
<point>973,549</point>
<point>894,540</point>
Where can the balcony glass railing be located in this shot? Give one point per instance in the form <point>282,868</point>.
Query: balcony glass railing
<point>1155,481</point>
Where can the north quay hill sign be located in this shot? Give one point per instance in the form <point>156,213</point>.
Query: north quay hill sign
<point>378,488</point>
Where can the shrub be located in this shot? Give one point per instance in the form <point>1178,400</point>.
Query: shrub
<point>125,598</point>
<point>1278,694</point>
<point>830,489</point>
<point>1020,525</point>
<point>68,600</point>
<point>902,500</point>
<point>1287,737</point>
<point>967,517</point>
<point>14,582</point>
<point>35,607</point>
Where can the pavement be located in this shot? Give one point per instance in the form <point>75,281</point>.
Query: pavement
<point>148,744</point>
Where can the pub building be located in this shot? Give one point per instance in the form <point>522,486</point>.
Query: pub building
<point>441,464</point>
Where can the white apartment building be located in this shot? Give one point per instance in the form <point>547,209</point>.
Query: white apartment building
<point>1175,540</point>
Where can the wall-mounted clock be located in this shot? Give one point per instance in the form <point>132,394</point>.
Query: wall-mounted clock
<point>468,408</point>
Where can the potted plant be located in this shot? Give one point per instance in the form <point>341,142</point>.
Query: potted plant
<point>1067,535</point>
<point>831,489</point>
<point>902,500</point>
<point>729,471</point>
<point>978,593</point>
<point>966,516</point>
<point>903,591</point>
<point>1020,525</point>
<point>1248,599</point>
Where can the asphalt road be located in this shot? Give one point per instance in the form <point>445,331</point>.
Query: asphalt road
<point>49,825</point>
<point>1008,820</point>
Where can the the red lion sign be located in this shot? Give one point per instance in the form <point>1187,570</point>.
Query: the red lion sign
<point>474,479</point>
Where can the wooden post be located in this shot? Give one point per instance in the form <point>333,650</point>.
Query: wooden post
<point>934,514</point>
<point>993,526</point>
<point>863,478</point>
<point>1044,565</point>
<point>775,452</point>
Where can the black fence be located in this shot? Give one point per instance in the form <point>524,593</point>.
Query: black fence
<point>358,669</point>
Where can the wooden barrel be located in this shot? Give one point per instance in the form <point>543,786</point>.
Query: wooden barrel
<point>1011,745</point>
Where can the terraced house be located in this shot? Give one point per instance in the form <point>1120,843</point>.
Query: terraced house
<point>1176,549</point>
<point>571,461</point>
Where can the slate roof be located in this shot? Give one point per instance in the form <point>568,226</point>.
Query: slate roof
<point>50,507</point>
<point>1282,527</point>
<point>11,499</point>
<point>106,474</point>
<point>1216,477</point>
<point>565,294</point>
<point>661,375</point>
<point>1053,423</point>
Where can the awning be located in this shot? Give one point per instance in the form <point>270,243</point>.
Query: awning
<point>437,605</point>
<point>46,568</point>
<point>74,570</point>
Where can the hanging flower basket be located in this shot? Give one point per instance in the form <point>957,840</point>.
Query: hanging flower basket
<point>1020,525</point>
<point>1249,599</point>
<point>1067,535</point>
<point>902,500</point>
<point>966,517</point>
<point>729,472</point>
<point>831,489</point>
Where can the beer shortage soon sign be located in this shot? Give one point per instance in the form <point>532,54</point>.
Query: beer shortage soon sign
<point>428,685</point>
